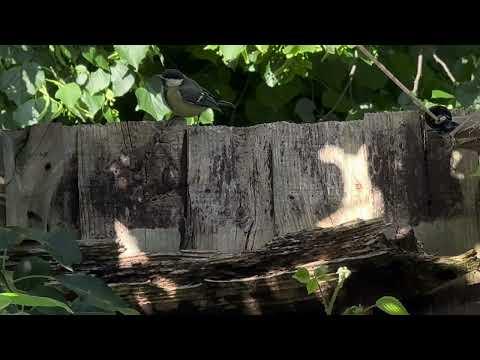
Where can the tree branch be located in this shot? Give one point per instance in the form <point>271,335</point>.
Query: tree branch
<point>445,68</point>
<point>396,81</point>
<point>419,72</point>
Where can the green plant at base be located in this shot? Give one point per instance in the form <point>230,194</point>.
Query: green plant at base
<point>387,304</point>
<point>30,288</point>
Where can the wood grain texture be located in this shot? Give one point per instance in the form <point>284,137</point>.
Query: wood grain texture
<point>40,170</point>
<point>132,185</point>
<point>451,225</point>
<point>229,188</point>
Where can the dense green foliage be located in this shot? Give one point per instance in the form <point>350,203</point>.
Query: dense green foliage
<point>30,286</point>
<point>302,83</point>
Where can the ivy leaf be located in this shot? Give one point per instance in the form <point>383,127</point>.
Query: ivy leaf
<point>30,300</point>
<point>99,80</point>
<point>122,79</point>
<point>20,83</point>
<point>96,57</point>
<point>294,50</point>
<point>93,102</point>
<point>302,275</point>
<point>69,94</point>
<point>321,272</point>
<point>312,286</point>
<point>30,113</point>
<point>95,292</point>
<point>231,52</point>
<point>111,114</point>
<point>356,310</point>
<point>391,306</point>
<point>151,103</point>
<point>82,74</point>
<point>31,265</point>
<point>440,94</point>
<point>132,54</point>
<point>207,117</point>
<point>262,48</point>
<point>63,246</point>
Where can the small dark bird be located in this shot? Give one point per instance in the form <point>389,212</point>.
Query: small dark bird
<point>445,124</point>
<point>185,97</point>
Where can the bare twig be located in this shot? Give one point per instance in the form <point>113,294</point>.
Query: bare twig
<point>419,72</point>
<point>397,82</point>
<point>445,68</point>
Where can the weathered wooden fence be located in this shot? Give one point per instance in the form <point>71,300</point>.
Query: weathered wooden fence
<point>163,189</point>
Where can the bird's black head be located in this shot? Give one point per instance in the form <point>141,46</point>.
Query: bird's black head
<point>173,74</point>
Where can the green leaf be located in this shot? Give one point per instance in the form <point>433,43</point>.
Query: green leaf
<point>312,286</point>
<point>31,112</point>
<point>231,52</point>
<point>331,49</point>
<point>132,54</point>
<point>93,102</point>
<point>82,74</point>
<point>4,302</point>
<point>302,275</point>
<point>69,94</point>
<point>370,77</point>
<point>63,246</point>
<point>262,48</point>
<point>207,117</point>
<point>95,292</point>
<point>96,57</point>
<point>151,103</point>
<point>321,272</point>
<point>9,238</point>
<point>98,81</point>
<point>30,300</point>
<point>7,282</point>
<point>82,307</point>
<point>391,306</point>
<point>20,83</point>
<point>356,310</point>
<point>32,265</point>
<point>52,293</point>
<point>111,115</point>
<point>122,79</point>
<point>294,50</point>
<point>440,94</point>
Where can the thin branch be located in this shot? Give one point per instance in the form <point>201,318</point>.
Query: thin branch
<point>397,82</point>
<point>419,72</point>
<point>344,91</point>
<point>445,68</point>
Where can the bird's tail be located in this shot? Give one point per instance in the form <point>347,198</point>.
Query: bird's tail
<point>222,103</point>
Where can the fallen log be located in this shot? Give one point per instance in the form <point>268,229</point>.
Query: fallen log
<point>260,282</point>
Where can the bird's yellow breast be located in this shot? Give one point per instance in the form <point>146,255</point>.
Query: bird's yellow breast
<point>180,107</point>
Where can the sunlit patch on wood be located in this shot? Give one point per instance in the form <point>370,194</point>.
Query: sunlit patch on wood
<point>361,199</point>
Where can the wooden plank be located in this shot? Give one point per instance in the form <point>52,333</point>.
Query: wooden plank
<point>330,173</point>
<point>132,185</point>
<point>40,171</point>
<point>229,188</point>
<point>451,224</point>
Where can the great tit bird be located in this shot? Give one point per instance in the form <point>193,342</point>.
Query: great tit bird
<point>185,97</point>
